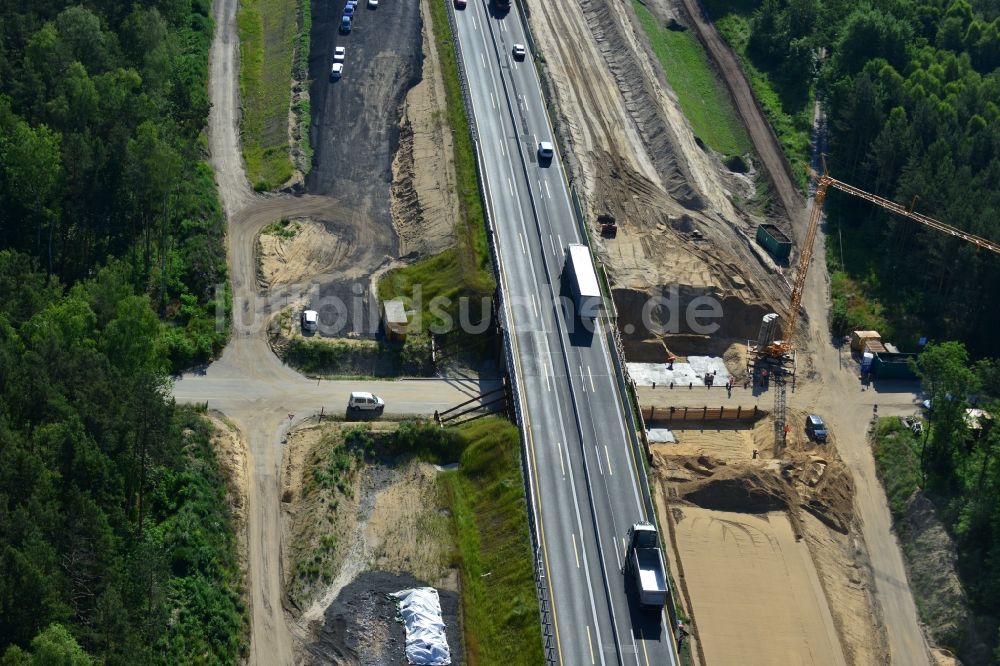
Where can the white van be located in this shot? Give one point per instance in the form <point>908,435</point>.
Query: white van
<point>310,320</point>
<point>368,402</point>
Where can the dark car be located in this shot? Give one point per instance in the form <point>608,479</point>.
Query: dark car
<point>815,428</point>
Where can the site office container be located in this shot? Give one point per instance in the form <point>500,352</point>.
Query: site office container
<point>893,366</point>
<point>859,338</point>
<point>774,241</point>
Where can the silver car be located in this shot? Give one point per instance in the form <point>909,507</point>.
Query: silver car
<point>365,402</point>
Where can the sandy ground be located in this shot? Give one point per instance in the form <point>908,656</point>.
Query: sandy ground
<point>231,452</point>
<point>823,571</point>
<point>758,596</point>
<point>424,192</point>
<point>315,249</point>
<point>388,524</point>
<point>632,154</point>
<point>718,440</point>
<point>860,568</point>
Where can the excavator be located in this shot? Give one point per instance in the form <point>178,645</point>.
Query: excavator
<point>776,358</point>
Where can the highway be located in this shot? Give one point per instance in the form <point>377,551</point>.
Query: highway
<point>584,475</point>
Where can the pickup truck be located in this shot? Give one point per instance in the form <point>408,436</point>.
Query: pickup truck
<point>644,562</point>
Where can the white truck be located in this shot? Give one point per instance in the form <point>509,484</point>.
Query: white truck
<point>644,562</point>
<point>582,278</point>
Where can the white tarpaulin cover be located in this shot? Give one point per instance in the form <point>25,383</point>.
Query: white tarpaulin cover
<point>426,643</point>
<point>682,374</point>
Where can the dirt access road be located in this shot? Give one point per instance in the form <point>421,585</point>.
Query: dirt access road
<point>248,383</point>
<point>830,385</point>
<point>761,134</point>
<point>631,153</point>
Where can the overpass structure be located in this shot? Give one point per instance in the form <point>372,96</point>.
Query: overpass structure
<point>583,468</point>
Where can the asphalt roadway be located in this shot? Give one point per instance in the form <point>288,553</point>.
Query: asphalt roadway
<point>584,474</point>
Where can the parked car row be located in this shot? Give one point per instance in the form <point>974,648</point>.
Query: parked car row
<point>346,24</point>
<point>347,19</point>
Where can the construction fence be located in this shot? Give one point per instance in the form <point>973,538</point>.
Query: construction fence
<point>705,413</point>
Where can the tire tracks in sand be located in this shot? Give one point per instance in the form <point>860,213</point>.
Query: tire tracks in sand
<point>247,356</point>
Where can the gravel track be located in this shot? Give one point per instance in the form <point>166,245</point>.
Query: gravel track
<point>829,384</point>
<point>248,383</point>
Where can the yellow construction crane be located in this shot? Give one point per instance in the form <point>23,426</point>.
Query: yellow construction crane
<point>825,182</point>
<point>779,352</point>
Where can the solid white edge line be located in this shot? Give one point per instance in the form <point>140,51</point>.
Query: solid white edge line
<point>586,567</point>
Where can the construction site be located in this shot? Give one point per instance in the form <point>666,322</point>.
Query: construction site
<point>768,531</point>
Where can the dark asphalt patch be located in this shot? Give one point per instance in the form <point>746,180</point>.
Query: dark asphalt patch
<point>355,123</point>
<point>363,611</point>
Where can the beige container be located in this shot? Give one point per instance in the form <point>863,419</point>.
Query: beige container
<point>859,338</point>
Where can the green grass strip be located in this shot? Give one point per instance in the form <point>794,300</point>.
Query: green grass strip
<point>268,33</point>
<point>790,115</point>
<point>897,461</point>
<point>303,109</point>
<point>466,269</point>
<point>703,99</point>
<point>499,604</point>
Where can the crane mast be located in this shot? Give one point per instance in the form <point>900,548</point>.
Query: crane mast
<point>825,182</point>
<point>776,358</point>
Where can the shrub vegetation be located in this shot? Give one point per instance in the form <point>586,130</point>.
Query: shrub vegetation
<point>102,111</point>
<point>116,540</point>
